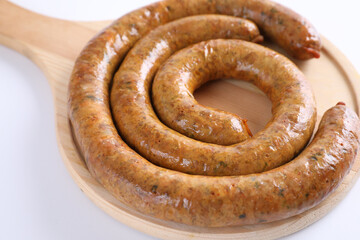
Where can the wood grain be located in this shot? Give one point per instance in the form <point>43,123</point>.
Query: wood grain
<point>53,44</point>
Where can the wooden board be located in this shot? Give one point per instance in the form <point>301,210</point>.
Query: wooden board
<point>54,44</point>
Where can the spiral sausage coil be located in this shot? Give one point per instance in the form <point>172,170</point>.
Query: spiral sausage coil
<point>162,173</point>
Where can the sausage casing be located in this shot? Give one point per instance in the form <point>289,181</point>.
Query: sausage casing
<point>285,135</point>
<point>198,200</point>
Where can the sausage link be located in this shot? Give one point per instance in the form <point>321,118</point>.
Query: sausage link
<point>285,135</point>
<point>234,200</point>
<point>208,26</point>
<point>285,27</point>
<point>93,70</point>
<point>199,200</point>
<point>175,104</point>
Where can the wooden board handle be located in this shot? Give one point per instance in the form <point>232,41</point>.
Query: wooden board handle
<point>51,43</point>
<point>25,31</point>
<point>15,29</point>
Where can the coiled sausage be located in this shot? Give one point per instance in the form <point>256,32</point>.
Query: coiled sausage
<point>203,200</point>
<point>285,135</point>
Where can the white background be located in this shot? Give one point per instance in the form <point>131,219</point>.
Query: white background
<point>39,199</point>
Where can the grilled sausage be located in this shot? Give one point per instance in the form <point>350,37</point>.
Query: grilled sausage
<point>285,135</point>
<point>177,79</point>
<point>199,200</point>
<point>287,28</point>
<point>234,200</point>
<point>208,27</point>
<point>175,105</point>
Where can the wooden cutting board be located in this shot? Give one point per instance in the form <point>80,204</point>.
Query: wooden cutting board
<point>54,44</point>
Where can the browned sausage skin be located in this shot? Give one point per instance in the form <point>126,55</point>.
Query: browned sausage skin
<point>235,200</point>
<point>157,46</point>
<point>287,28</point>
<point>185,71</point>
<point>151,189</point>
<point>175,105</point>
<point>285,135</point>
<point>93,70</point>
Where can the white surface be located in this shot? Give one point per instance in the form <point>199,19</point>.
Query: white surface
<point>39,199</point>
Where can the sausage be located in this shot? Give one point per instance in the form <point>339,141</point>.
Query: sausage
<point>175,104</point>
<point>286,134</point>
<point>285,27</point>
<point>208,26</point>
<point>199,200</point>
<point>234,200</point>
<point>131,86</point>
<point>177,79</point>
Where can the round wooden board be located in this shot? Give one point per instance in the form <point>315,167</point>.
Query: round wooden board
<point>333,79</point>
